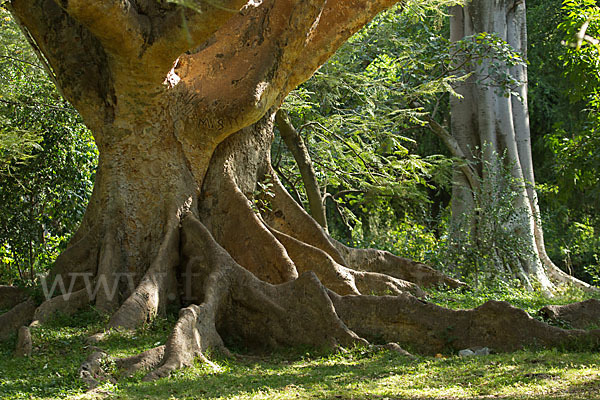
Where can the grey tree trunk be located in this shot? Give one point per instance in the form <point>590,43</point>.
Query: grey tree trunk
<point>490,126</point>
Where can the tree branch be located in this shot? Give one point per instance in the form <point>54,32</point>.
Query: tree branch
<point>456,151</point>
<point>241,71</point>
<point>184,28</point>
<point>116,23</point>
<point>276,46</point>
<point>73,57</point>
<point>339,20</point>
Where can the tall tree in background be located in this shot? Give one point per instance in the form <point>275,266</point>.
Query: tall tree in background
<point>490,123</point>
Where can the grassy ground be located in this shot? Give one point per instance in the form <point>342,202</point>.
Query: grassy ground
<point>359,373</point>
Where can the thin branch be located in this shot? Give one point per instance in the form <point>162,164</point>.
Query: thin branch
<point>22,61</point>
<point>348,191</point>
<point>35,103</point>
<point>367,165</point>
<point>296,145</point>
<point>336,206</point>
<point>455,149</point>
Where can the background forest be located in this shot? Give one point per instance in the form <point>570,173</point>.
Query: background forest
<point>370,122</point>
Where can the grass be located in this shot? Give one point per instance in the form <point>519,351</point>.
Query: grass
<point>359,373</point>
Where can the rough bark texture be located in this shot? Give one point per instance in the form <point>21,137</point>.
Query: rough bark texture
<point>16,317</point>
<point>24,343</point>
<point>577,315</point>
<point>431,329</point>
<point>68,305</point>
<point>487,125</point>
<point>181,106</point>
<point>10,296</point>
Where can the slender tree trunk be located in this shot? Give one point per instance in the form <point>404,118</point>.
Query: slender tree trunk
<point>296,145</point>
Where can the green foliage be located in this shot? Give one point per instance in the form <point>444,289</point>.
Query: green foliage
<point>509,291</point>
<point>357,117</point>
<point>403,236</point>
<point>575,245</point>
<point>581,20</point>
<point>47,162</point>
<point>362,117</point>
<point>577,162</point>
<point>473,252</point>
<point>563,82</point>
<point>263,194</point>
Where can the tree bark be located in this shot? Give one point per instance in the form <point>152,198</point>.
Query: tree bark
<point>296,145</point>
<point>487,126</point>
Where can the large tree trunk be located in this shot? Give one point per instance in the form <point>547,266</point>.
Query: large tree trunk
<point>182,112</point>
<point>490,127</point>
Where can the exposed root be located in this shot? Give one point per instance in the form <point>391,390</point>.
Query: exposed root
<point>24,344</point>
<point>10,296</point>
<point>431,329</point>
<point>556,275</point>
<point>289,218</point>
<point>560,277</point>
<point>395,347</point>
<point>274,255</point>
<point>227,302</point>
<point>195,330</point>
<point>309,258</point>
<point>338,278</point>
<point>68,303</point>
<point>20,315</point>
<point>374,283</point>
<point>243,234</point>
<point>156,288</point>
<point>193,334</point>
<point>384,262</point>
<point>144,361</point>
<point>580,315</point>
<point>91,371</point>
<point>238,305</point>
<point>291,314</point>
<point>258,311</point>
